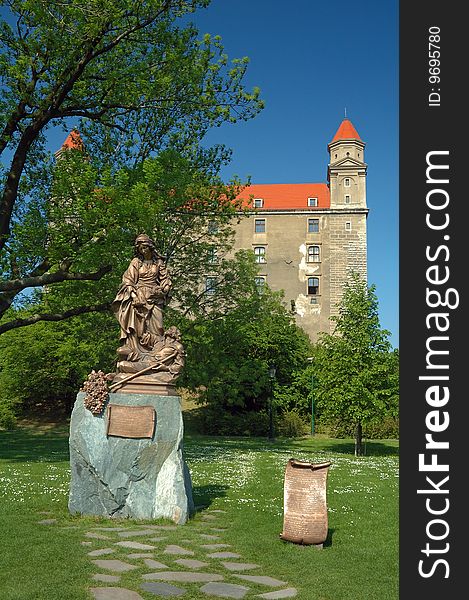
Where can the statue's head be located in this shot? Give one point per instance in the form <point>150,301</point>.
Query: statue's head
<point>144,241</point>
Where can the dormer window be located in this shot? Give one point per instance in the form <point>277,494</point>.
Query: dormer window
<point>312,201</point>
<point>258,202</point>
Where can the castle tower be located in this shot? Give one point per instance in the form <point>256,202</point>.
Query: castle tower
<point>346,171</point>
<point>347,181</point>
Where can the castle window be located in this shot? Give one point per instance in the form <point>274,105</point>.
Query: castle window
<point>313,254</point>
<point>259,253</point>
<point>210,285</point>
<point>259,225</point>
<point>258,202</point>
<point>347,182</point>
<point>313,225</point>
<point>347,198</point>
<point>212,227</point>
<point>313,286</point>
<point>260,283</point>
<point>348,226</point>
<point>312,201</point>
<point>212,255</point>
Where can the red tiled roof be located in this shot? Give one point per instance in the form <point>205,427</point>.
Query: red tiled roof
<point>73,141</point>
<point>284,196</point>
<point>346,131</point>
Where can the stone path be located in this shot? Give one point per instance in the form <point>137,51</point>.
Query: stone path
<point>163,563</point>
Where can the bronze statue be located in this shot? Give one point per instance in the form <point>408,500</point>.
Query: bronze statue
<point>147,353</point>
<point>140,300</point>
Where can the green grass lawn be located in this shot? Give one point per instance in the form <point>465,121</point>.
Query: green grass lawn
<point>244,477</point>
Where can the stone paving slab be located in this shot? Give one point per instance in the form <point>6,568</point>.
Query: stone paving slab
<point>135,545</point>
<point>101,552</point>
<point>207,536</point>
<point>186,576</point>
<point>224,555</point>
<point>113,593</point>
<point>287,593</point>
<point>235,566</point>
<point>114,565</point>
<point>135,532</point>
<point>191,563</point>
<point>47,522</point>
<point>154,564</point>
<point>87,543</point>
<point>175,549</point>
<point>110,528</point>
<point>106,578</point>
<point>157,539</point>
<point>140,555</point>
<point>97,536</point>
<point>215,546</point>
<point>225,590</point>
<point>164,590</point>
<point>163,527</point>
<point>262,579</point>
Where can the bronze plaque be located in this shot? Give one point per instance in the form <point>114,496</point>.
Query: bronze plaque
<point>130,421</point>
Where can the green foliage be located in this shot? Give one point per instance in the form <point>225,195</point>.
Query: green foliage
<point>214,420</point>
<point>137,81</point>
<point>291,424</point>
<point>356,374</point>
<point>43,366</point>
<point>229,358</point>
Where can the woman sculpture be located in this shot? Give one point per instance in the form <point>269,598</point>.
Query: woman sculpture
<point>140,300</point>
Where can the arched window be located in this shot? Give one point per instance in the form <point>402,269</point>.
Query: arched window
<point>259,253</point>
<point>313,286</point>
<point>313,254</point>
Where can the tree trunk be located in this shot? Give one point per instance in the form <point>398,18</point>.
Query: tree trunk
<point>358,440</point>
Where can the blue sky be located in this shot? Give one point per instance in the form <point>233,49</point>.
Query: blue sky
<point>312,60</point>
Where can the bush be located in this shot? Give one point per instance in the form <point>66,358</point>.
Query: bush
<point>212,421</point>
<point>386,428</point>
<point>7,413</point>
<point>290,424</point>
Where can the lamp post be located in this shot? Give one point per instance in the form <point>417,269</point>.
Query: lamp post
<point>272,372</point>
<point>311,359</point>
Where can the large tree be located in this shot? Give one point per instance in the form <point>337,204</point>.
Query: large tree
<point>354,375</point>
<point>137,81</point>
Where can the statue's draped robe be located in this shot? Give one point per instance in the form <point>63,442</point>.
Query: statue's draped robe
<point>141,317</point>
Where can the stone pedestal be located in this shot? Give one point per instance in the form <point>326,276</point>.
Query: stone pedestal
<point>140,478</point>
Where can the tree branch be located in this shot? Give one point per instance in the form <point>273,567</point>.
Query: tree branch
<point>16,285</point>
<point>73,312</point>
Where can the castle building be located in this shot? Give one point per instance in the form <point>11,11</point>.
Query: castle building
<point>308,237</point>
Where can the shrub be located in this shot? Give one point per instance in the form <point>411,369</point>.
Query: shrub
<point>290,424</point>
<point>212,421</point>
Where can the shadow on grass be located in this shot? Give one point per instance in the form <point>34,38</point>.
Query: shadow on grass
<point>328,540</point>
<point>204,495</point>
<point>371,448</point>
<point>26,445</point>
<point>214,446</point>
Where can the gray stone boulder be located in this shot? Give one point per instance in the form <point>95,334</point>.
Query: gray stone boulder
<point>139,478</point>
